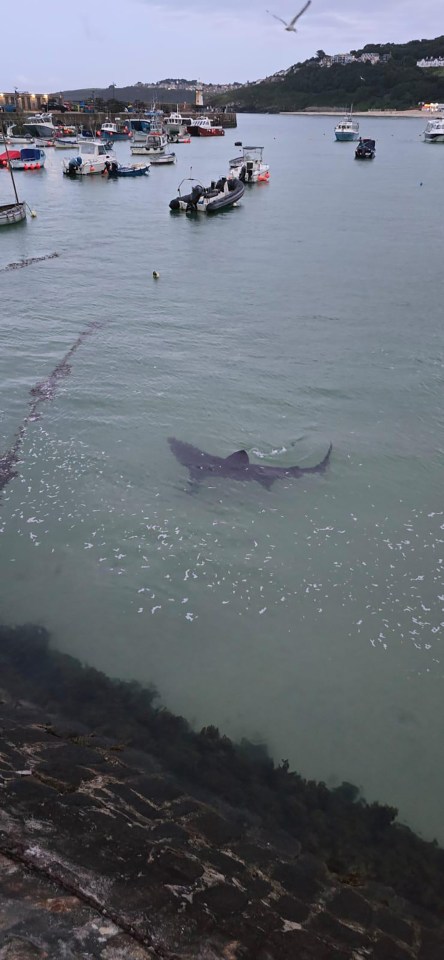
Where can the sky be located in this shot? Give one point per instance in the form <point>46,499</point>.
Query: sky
<point>56,46</point>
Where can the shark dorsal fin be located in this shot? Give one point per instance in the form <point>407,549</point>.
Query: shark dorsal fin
<point>238,459</point>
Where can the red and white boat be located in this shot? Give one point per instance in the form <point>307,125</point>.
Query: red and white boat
<point>204,127</point>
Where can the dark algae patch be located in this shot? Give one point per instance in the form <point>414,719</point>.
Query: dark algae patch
<point>194,821</point>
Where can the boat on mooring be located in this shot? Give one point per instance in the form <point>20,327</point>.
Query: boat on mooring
<point>11,212</point>
<point>18,139</point>
<point>30,158</point>
<point>434,131</point>
<point>65,143</point>
<point>347,129</point>
<point>204,127</point>
<point>220,195</point>
<point>366,149</point>
<point>113,169</point>
<point>176,125</point>
<point>250,167</point>
<point>117,130</point>
<point>154,146</point>
<point>91,158</point>
<point>40,125</point>
<point>163,159</point>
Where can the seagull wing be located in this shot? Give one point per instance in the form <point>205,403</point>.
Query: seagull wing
<point>304,8</point>
<point>278,18</point>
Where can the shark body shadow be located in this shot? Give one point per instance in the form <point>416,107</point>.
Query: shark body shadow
<point>237,466</point>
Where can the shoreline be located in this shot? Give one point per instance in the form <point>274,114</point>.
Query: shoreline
<point>389,114</point>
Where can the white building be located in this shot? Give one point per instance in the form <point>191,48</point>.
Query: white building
<point>430,62</point>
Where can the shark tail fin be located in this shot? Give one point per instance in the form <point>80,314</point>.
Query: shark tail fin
<point>319,467</point>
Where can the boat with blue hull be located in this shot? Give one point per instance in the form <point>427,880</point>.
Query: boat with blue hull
<point>114,169</point>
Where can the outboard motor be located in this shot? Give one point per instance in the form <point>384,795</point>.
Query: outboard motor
<point>74,166</point>
<point>194,197</point>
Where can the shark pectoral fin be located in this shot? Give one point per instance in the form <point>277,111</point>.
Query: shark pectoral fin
<point>238,459</point>
<point>265,481</point>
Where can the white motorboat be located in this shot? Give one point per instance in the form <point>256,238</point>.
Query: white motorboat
<point>155,145</point>
<point>40,125</point>
<point>66,143</point>
<point>31,158</point>
<point>163,158</point>
<point>250,168</point>
<point>434,131</point>
<point>347,129</point>
<point>91,158</point>
<point>176,124</point>
<point>18,139</point>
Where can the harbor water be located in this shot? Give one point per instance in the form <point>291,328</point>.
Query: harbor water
<point>308,617</point>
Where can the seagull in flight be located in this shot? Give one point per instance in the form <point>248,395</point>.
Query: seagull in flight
<point>291,25</point>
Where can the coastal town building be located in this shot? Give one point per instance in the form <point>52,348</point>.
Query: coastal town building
<point>430,62</point>
<point>23,101</point>
<point>345,58</point>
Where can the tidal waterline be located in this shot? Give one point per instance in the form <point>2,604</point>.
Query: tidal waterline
<point>309,616</point>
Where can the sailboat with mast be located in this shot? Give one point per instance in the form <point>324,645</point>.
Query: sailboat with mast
<point>11,212</point>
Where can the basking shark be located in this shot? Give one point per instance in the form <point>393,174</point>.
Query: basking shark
<point>237,466</point>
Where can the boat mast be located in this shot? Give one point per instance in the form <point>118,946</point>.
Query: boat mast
<point>9,164</point>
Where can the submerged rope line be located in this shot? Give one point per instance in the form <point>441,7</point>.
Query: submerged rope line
<point>41,393</point>
<point>26,263</point>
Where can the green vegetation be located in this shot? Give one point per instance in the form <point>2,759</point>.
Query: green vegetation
<point>395,84</point>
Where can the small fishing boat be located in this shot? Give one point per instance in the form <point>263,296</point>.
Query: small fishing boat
<point>250,167</point>
<point>366,149</point>
<point>176,124</point>
<point>176,138</point>
<point>220,195</point>
<point>114,169</point>
<point>65,143</point>
<point>162,159</point>
<point>154,145</point>
<point>434,131</point>
<point>347,129</point>
<point>11,212</point>
<point>204,127</point>
<point>91,159</point>
<point>115,131</point>
<point>31,158</point>
<point>18,139</point>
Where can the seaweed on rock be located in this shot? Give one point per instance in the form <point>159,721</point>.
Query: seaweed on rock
<point>356,839</point>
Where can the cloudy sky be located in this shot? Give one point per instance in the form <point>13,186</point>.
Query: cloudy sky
<point>50,45</point>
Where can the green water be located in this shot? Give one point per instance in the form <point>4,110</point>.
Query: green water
<point>309,616</point>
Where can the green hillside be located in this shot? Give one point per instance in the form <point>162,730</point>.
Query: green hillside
<point>395,84</point>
